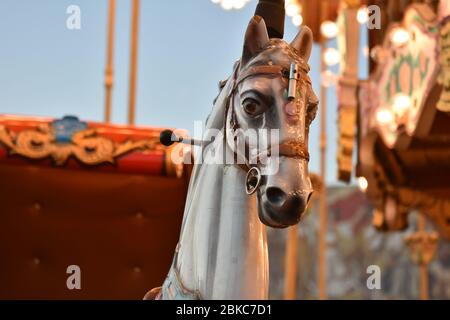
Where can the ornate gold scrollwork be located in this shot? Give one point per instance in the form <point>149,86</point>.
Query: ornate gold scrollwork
<point>86,145</point>
<point>422,246</point>
<point>444,77</point>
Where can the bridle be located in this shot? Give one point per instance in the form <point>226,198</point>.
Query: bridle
<point>290,149</point>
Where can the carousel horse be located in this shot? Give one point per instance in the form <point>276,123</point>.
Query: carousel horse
<point>222,251</point>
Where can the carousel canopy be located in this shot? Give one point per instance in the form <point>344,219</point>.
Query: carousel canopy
<point>403,115</point>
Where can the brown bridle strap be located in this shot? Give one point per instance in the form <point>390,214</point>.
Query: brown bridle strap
<point>263,70</point>
<point>294,149</point>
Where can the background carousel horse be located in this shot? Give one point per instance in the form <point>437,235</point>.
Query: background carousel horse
<point>222,252</point>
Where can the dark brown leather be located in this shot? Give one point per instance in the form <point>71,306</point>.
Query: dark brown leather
<point>120,229</point>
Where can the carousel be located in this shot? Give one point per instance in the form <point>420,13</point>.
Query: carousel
<point>145,219</point>
<point>112,197</point>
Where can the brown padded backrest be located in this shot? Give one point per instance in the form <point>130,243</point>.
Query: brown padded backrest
<point>120,229</point>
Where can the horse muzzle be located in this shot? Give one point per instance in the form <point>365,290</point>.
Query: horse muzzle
<point>280,209</point>
<point>283,197</point>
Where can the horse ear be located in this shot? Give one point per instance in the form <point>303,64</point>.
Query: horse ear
<point>256,38</point>
<point>303,42</point>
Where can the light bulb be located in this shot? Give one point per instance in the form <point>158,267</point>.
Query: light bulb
<point>363,15</point>
<point>331,56</point>
<point>292,9</point>
<point>384,116</point>
<point>239,4</point>
<point>329,29</point>
<point>362,183</point>
<point>399,36</point>
<point>402,102</point>
<point>297,20</point>
<point>227,4</point>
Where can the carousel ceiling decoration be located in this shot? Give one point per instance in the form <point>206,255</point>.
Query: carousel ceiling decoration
<point>444,77</point>
<point>403,139</point>
<point>407,71</point>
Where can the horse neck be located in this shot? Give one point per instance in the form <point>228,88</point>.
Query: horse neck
<point>223,246</point>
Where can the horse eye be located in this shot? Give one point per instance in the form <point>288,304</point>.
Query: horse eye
<point>251,106</point>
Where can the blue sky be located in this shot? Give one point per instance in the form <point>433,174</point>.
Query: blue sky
<point>185,48</point>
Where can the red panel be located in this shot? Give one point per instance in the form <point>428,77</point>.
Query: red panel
<point>135,162</point>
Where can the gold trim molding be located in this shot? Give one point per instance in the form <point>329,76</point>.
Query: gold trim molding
<point>85,145</point>
<point>444,76</point>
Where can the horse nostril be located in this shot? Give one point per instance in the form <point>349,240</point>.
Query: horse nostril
<point>276,195</point>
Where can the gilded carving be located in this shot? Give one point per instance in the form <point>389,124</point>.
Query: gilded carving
<point>444,77</point>
<point>422,246</point>
<point>85,145</point>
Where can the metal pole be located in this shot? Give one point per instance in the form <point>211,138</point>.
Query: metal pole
<point>273,13</point>
<point>323,214</point>
<point>133,61</point>
<point>109,72</point>
<point>421,225</point>
<point>290,264</point>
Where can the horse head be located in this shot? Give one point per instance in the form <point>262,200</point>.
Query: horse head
<point>272,92</point>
